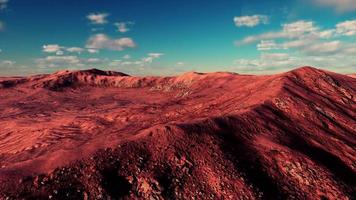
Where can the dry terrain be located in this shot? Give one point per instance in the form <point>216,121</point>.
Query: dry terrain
<point>106,135</point>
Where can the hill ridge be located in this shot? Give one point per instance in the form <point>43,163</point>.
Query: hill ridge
<point>203,135</point>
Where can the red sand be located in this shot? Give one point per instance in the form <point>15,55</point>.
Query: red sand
<point>202,136</point>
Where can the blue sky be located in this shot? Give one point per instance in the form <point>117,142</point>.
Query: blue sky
<point>160,37</point>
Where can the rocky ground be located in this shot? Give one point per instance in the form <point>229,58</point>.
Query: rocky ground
<point>106,135</point>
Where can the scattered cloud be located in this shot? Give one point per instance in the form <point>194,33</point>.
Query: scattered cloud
<point>322,47</point>
<point>75,62</point>
<point>102,41</point>
<point>61,50</point>
<point>3,4</point>
<point>156,55</point>
<point>70,62</point>
<point>311,46</point>
<point>151,57</point>
<point>273,63</point>
<point>266,62</point>
<point>339,5</point>
<point>179,64</point>
<point>127,56</point>
<point>251,21</point>
<point>7,63</point>
<point>94,60</point>
<point>305,37</point>
<point>327,34</point>
<point>307,44</point>
<point>75,50</point>
<point>93,50</point>
<point>298,43</point>
<point>123,27</point>
<point>298,28</point>
<point>347,28</point>
<point>275,56</point>
<point>51,48</point>
<point>115,63</point>
<point>266,45</point>
<point>58,61</point>
<point>291,30</point>
<point>98,18</point>
<point>59,53</point>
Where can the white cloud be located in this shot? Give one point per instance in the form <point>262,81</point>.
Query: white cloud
<point>75,50</point>
<point>305,37</point>
<point>123,27</point>
<point>297,43</point>
<point>93,50</point>
<point>59,53</point>
<point>60,50</point>
<point>327,34</point>
<point>147,60</point>
<point>275,56</point>
<point>266,63</point>
<point>264,36</point>
<point>322,47</point>
<point>93,60</point>
<point>115,63</point>
<point>3,4</point>
<point>75,62</point>
<point>270,63</point>
<point>339,5</point>
<point>72,62</point>
<point>250,21</point>
<point>298,28</point>
<point>314,47</point>
<point>51,48</point>
<point>180,64</point>
<point>7,63</point>
<point>140,63</point>
<point>98,18</point>
<point>151,57</point>
<point>347,28</point>
<point>155,55</point>
<point>306,30</point>
<point>101,41</point>
<point>266,45</point>
<point>127,56</point>
<point>58,61</point>
<point>307,44</point>
<point>290,30</point>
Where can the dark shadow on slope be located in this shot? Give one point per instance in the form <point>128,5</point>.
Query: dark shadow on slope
<point>247,160</point>
<point>295,141</point>
<point>237,148</point>
<point>116,186</point>
<point>346,136</point>
<point>334,104</point>
<point>165,181</point>
<point>327,159</point>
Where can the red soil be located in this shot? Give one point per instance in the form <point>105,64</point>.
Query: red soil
<point>106,135</point>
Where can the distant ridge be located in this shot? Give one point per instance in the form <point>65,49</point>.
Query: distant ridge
<point>95,77</point>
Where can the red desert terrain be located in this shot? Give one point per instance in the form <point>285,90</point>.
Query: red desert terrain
<point>106,135</point>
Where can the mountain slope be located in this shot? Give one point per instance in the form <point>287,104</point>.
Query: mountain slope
<point>208,136</point>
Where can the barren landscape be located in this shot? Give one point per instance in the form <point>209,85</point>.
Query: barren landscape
<point>96,134</point>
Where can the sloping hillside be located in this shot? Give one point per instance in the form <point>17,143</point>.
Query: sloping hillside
<point>106,135</point>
